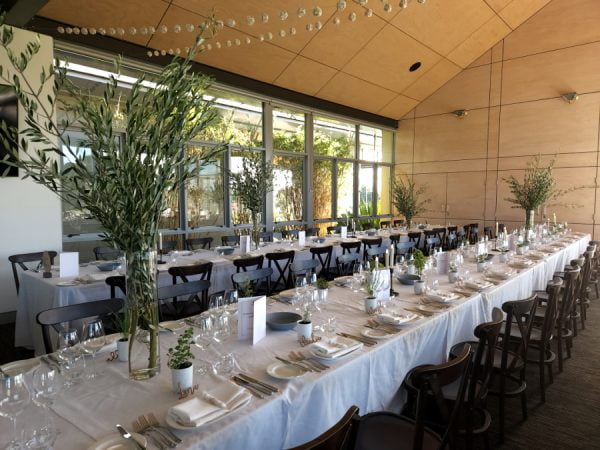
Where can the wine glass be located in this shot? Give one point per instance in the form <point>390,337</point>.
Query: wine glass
<point>93,339</point>
<point>47,383</point>
<point>14,398</point>
<point>204,326</point>
<point>300,284</point>
<point>230,300</point>
<point>69,354</point>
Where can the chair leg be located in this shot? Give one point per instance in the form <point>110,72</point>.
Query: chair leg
<point>559,350</point>
<point>550,374</point>
<point>523,397</point>
<point>542,369</point>
<point>582,313</point>
<point>501,409</point>
<point>596,286</point>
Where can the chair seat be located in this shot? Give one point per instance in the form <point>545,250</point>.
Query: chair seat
<point>536,333</point>
<point>450,391</point>
<point>382,433</point>
<point>497,356</point>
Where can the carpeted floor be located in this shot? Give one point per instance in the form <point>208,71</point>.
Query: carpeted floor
<point>570,418</point>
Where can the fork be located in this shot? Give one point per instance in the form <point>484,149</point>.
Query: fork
<point>156,424</point>
<point>135,425</point>
<point>299,356</point>
<point>143,427</point>
<point>147,425</point>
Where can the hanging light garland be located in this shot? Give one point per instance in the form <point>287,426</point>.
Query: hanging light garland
<point>316,12</point>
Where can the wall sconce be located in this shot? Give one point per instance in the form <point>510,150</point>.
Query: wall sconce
<point>460,113</point>
<point>570,97</point>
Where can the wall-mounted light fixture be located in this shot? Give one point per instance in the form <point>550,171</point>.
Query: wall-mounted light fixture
<point>570,97</point>
<point>460,113</point>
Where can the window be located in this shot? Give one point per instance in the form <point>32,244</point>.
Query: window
<point>205,195</point>
<point>383,190</point>
<point>239,214</point>
<point>287,188</point>
<point>288,130</point>
<point>366,175</point>
<point>376,145</point>
<point>334,138</point>
<point>322,188</point>
<point>345,188</point>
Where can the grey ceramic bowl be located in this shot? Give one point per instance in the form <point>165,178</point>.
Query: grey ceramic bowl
<point>408,280</point>
<point>108,267</point>
<point>320,240</point>
<point>224,250</point>
<point>282,321</point>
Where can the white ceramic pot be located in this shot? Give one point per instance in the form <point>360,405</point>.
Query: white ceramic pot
<point>452,277</point>
<point>304,329</point>
<point>371,305</point>
<point>520,250</point>
<point>182,378</point>
<point>322,295</point>
<point>123,349</point>
<point>419,287</point>
<point>410,269</point>
<point>481,266</point>
<point>503,257</point>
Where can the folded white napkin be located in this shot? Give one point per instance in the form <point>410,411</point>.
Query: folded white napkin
<point>195,412</point>
<point>335,347</point>
<point>343,281</point>
<point>287,294</point>
<point>395,318</point>
<point>227,395</point>
<point>440,297</point>
<point>102,276</point>
<point>478,285</point>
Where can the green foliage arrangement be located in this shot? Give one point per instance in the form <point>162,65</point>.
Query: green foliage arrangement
<point>419,261</point>
<point>407,197</point>
<point>181,356</point>
<point>322,283</point>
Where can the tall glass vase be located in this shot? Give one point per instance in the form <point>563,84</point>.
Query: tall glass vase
<point>529,222</point>
<point>144,350</point>
<point>256,230</point>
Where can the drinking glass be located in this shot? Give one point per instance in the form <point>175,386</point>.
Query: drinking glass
<point>14,397</point>
<point>221,328</point>
<point>230,300</point>
<point>312,279</point>
<point>93,339</point>
<point>47,383</point>
<point>224,365</point>
<point>203,338</point>
<point>300,284</point>
<point>69,354</point>
<point>329,327</point>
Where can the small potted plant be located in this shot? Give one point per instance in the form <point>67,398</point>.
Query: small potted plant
<point>419,262</point>
<point>522,248</point>
<point>410,266</point>
<point>322,289</point>
<point>180,362</point>
<point>503,254</point>
<point>304,326</point>
<point>373,284</point>
<point>452,272</point>
<point>481,262</point>
<point>121,323</point>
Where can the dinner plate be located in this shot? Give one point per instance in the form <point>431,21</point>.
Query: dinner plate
<point>118,443</point>
<point>23,366</point>
<point>376,333</point>
<point>68,283</point>
<point>178,426</point>
<point>172,325</point>
<point>284,371</point>
<point>329,359</point>
<point>431,308</point>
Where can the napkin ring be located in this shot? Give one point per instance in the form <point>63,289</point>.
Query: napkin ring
<point>374,311</point>
<point>304,342</point>
<point>184,393</point>
<point>112,356</point>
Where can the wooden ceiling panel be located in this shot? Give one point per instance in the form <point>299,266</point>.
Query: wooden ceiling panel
<point>335,45</point>
<point>432,80</point>
<point>484,59</point>
<point>498,5</point>
<point>305,75</point>
<point>349,90</point>
<point>518,11</point>
<point>232,9</point>
<point>398,107</point>
<point>434,24</point>
<point>480,41</point>
<point>108,13</point>
<point>385,60</point>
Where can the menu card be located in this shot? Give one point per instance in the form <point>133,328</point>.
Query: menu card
<point>512,242</point>
<point>301,238</point>
<point>442,262</point>
<point>344,232</point>
<point>245,244</point>
<point>68,263</point>
<point>252,318</point>
<point>384,292</point>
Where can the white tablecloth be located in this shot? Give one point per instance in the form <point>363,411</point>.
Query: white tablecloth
<point>307,406</point>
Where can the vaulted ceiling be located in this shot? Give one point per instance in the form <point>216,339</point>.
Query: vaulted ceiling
<point>362,64</point>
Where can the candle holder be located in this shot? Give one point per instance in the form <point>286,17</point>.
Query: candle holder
<point>393,293</point>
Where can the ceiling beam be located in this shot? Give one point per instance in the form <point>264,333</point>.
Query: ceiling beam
<point>20,12</point>
<point>139,52</point>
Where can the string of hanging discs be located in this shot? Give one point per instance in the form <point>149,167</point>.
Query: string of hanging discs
<point>314,14</point>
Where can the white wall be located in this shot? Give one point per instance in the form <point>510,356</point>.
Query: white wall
<point>30,215</point>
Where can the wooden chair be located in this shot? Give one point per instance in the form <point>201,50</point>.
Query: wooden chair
<point>338,437</point>
<point>282,262</point>
<point>243,264</point>
<point>117,281</point>
<point>199,243</point>
<point>304,267</point>
<point>107,253</point>
<point>377,252</point>
<point>399,222</point>
<point>203,271</point>
<point>260,279</point>
<point>370,243</point>
<point>313,231</point>
<point>487,231</point>
<point>441,235</point>
<point>230,240</point>
<point>169,245</point>
<point>386,430</point>
<point>415,237</point>
<point>54,317</point>
<point>385,224</point>
<point>345,263</point>
<point>351,247</point>
<point>23,258</point>
<point>334,229</point>
<point>404,249</point>
<point>473,233</point>
<point>289,234</point>
<point>266,236</point>
<point>196,293</point>
<point>323,255</point>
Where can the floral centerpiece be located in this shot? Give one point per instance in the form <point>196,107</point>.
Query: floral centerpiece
<point>407,198</point>
<point>123,183</point>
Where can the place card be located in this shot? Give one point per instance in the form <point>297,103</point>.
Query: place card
<point>301,238</point>
<point>245,244</point>
<point>384,291</point>
<point>68,263</point>
<point>252,318</point>
<point>442,263</point>
<point>481,248</point>
<point>344,232</point>
<point>512,243</point>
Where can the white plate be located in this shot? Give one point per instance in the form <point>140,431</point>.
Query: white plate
<point>177,426</point>
<point>376,334</point>
<point>431,308</point>
<point>23,366</point>
<point>174,325</point>
<point>117,443</point>
<point>328,359</point>
<point>68,283</point>
<point>284,371</point>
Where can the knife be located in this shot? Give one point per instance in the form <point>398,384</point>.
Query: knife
<point>254,380</point>
<point>258,387</point>
<point>252,389</point>
<point>366,341</point>
<point>285,361</point>
<point>127,435</point>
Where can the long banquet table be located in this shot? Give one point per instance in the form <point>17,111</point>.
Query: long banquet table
<point>369,378</point>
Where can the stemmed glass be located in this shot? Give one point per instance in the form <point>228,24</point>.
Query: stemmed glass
<point>14,398</point>
<point>68,352</point>
<point>230,300</point>
<point>93,339</point>
<point>357,276</point>
<point>300,286</point>
<point>47,383</point>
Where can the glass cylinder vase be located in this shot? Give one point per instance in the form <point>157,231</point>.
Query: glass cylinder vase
<point>529,222</point>
<point>144,349</point>
<point>256,230</point>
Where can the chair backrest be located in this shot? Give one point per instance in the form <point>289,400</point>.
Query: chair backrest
<point>53,317</point>
<point>266,236</point>
<point>195,291</point>
<point>23,258</point>
<point>303,267</point>
<point>107,253</point>
<point>282,262</point>
<point>242,264</point>
<point>385,224</point>
<point>313,231</point>
<point>378,252</point>
<point>254,277</point>
<point>334,229</point>
<point>553,289</point>
<point>169,245</point>
<point>522,314</point>
<point>323,255</point>
<point>197,243</point>
<point>395,238</point>
<point>117,281</point>
<point>345,263</point>
<point>230,240</point>
<point>565,307</point>
<point>349,247</point>
<point>487,231</point>
<point>183,272</point>
<point>338,437</point>
<point>398,222</point>
<point>370,243</point>
<point>289,234</point>
<point>415,237</point>
<point>405,248</point>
